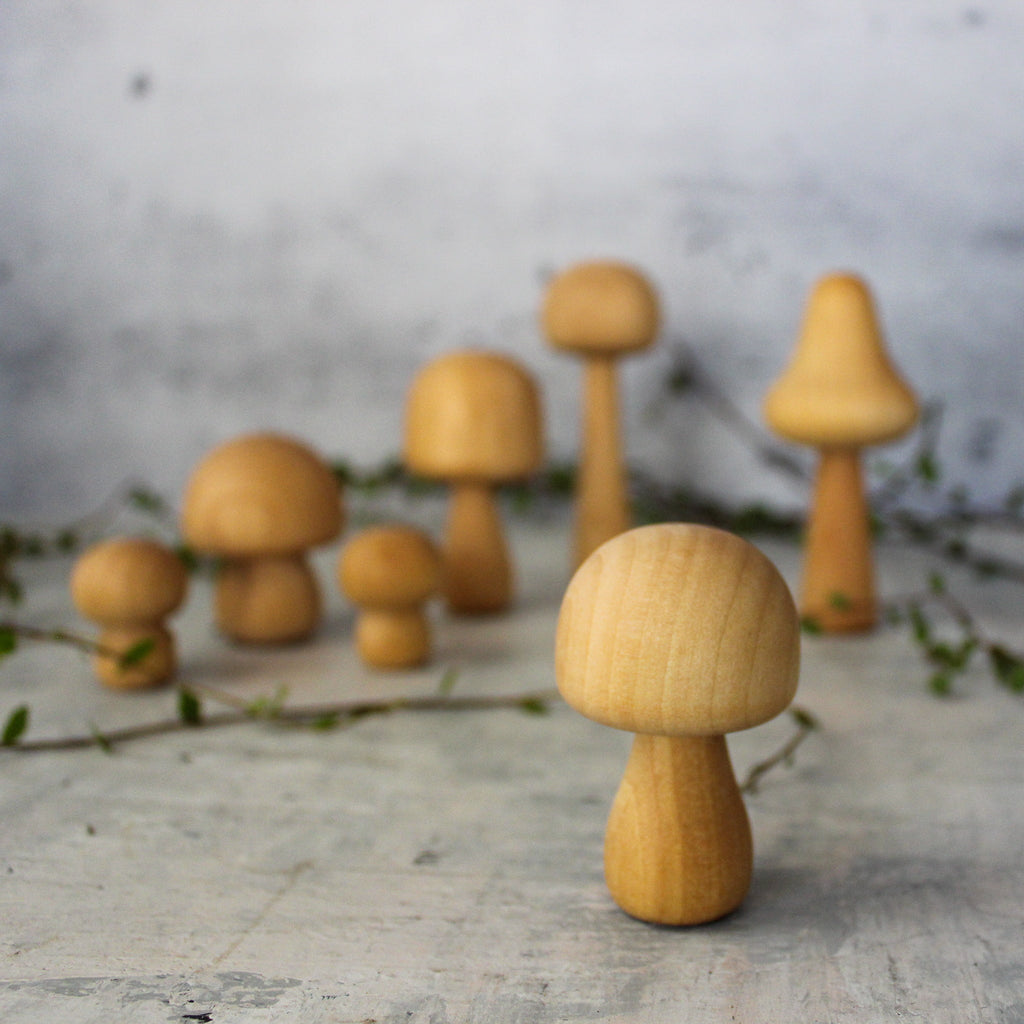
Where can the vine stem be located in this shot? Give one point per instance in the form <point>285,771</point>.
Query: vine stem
<point>332,714</point>
<point>806,723</point>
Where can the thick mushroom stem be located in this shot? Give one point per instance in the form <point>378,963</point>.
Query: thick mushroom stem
<point>838,590</point>
<point>272,599</point>
<point>393,637</point>
<point>477,567</point>
<point>678,848</point>
<point>602,510</point>
<point>155,666</point>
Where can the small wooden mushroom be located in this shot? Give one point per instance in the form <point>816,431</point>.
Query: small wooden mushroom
<point>390,572</point>
<point>680,634</point>
<point>601,311</point>
<point>129,586</point>
<point>259,502</point>
<point>840,393</point>
<point>473,419</point>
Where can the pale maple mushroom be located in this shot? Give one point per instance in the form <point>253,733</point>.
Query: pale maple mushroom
<point>390,572</point>
<point>840,394</point>
<point>259,503</point>
<point>129,586</point>
<point>473,419</point>
<point>680,634</point>
<point>601,311</point>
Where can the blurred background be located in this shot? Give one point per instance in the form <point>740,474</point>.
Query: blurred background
<point>219,215</point>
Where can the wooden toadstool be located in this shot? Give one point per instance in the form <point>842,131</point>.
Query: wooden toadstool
<point>600,311</point>
<point>473,419</point>
<point>680,634</point>
<point>259,503</point>
<point>390,572</point>
<point>840,393</point>
<point>129,585</point>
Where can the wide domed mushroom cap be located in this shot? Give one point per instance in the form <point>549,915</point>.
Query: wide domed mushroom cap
<point>128,580</point>
<point>390,566</point>
<point>601,307</point>
<point>678,630</point>
<point>473,415</point>
<point>261,494</point>
<point>841,388</point>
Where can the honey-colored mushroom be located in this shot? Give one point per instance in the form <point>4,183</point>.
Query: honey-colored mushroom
<point>600,311</point>
<point>680,634</point>
<point>840,393</point>
<point>129,586</point>
<point>389,572</point>
<point>473,419</point>
<point>259,502</point>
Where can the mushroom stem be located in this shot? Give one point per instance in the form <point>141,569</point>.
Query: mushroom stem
<point>393,638</point>
<point>477,569</point>
<point>838,592</point>
<point>678,848</point>
<point>602,509</point>
<point>267,600</point>
<point>156,666</point>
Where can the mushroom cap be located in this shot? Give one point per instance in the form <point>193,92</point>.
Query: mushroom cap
<point>677,630</point>
<point>841,388</point>
<point>128,580</point>
<point>601,307</point>
<point>261,494</point>
<point>389,566</point>
<point>473,415</point>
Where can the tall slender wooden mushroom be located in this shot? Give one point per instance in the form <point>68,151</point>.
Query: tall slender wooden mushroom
<point>840,393</point>
<point>473,419</point>
<point>601,311</point>
<point>680,634</point>
<point>259,502</point>
<point>130,585</point>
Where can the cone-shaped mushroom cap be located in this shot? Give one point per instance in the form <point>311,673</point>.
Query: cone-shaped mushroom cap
<point>840,388</point>
<point>473,415</point>
<point>677,630</point>
<point>601,307</point>
<point>389,566</point>
<point>261,494</point>
<point>128,580</point>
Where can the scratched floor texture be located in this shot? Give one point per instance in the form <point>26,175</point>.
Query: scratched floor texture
<point>447,867</point>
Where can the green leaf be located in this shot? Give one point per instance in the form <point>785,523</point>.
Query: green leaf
<point>811,626</point>
<point>146,501</point>
<point>101,741</point>
<point>1007,667</point>
<point>840,601</point>
<point>941,684</point>
<point>927,468</point>
<point>14,728</point>
<point>804,718</point>
<point>534,706</point>
<point>268,707</point>
<point>190,709</point>
<point>448,681</point>
<point>8,642</point>
<point>324,723</point>
<point>920,625</point>
<point>137,653</point>
<point>937,583</point>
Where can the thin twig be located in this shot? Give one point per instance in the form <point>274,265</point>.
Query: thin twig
<point>806,723</point>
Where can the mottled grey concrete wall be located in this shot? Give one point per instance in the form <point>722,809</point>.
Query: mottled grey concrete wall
<point>220,215</point>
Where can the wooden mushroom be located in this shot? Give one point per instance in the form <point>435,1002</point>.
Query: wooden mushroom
<point>390,572</point>
<point>129,586</point>
<point>259,502</point>
<point>680,634</point>
<point>840,393</point>
<point>473,419</point>
<point>600,311</point>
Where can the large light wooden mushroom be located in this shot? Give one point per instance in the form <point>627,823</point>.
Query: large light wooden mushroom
<point>129,586</point>
<point>259,502</point>
<point>680,634</point>
<point>840,393</point>
<point>601,311</point>
<point>473,419</point>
